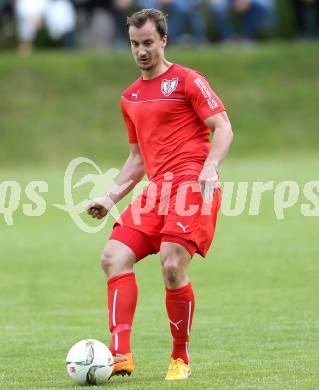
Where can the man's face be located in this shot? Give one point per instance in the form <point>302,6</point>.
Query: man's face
<point>147,45</point>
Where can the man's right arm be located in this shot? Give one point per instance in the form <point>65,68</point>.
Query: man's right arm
<point>131,173</point>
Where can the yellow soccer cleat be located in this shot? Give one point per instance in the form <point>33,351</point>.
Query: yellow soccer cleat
<point>177,370</point>
<point>123,364</point>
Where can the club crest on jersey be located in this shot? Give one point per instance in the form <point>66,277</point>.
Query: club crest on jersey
<point>169,86</point>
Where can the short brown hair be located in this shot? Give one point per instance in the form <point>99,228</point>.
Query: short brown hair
<point>139,18</point>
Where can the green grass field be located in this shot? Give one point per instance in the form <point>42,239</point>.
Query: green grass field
<point>256,321</point>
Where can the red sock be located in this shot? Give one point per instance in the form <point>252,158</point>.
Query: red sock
<point>122,299</point>
<point>180,308</point>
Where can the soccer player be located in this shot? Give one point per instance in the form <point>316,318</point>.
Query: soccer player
<point>169,113</point>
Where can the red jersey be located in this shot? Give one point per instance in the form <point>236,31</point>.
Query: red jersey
<point>165,117</point>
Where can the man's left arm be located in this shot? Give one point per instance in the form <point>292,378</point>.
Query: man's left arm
<point>222,139</point>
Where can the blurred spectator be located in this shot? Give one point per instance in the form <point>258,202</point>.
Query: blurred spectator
<point>101,24</point>
<point>255,16</point>
<point>60,20</point>
<point>58,16</point>
<point>307,18</point>
<point>29,14</point>
<point>95,24</point>
<point>5,8</point>
<point>6,23</point>
<point>183,16</point>
<point>121,8</point>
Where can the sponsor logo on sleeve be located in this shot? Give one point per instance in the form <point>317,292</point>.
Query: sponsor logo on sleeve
<point>169,86</point>
<point>206,93</point>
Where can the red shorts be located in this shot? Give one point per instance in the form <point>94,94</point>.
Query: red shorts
<point>169,211</point>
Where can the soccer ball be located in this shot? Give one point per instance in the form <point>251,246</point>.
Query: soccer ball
<point>89,362</point>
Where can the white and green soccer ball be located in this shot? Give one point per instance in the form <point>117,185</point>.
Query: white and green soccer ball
<point>89,362</point>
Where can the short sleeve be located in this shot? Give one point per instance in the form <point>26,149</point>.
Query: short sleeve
<point>132,137</point>
<point>201,96</point>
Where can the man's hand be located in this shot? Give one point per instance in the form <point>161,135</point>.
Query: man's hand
<point>97,207</point>
<point>208,180</point>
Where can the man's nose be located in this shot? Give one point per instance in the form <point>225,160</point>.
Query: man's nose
<point>141,51</point>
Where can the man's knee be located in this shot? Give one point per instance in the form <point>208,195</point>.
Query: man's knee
<point>174,261</point>
<point>107,261</point>
<point>117,259</point>
<point>171,270</point>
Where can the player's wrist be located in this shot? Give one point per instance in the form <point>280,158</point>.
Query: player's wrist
<point>212,164</point>
<point>108,202</point>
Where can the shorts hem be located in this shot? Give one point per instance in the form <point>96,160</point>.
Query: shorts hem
<point>139,242</point>
<point>189,245</point>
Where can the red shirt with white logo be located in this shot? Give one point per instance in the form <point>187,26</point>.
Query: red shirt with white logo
<point>165,117</point>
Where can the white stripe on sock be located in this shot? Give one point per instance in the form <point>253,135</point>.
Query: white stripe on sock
<point>189,316</point>
<point>116,346</point>
<point>116,337</point>
<point>186,347</point>
<point>113,308</point>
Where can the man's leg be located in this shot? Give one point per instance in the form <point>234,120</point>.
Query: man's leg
<point>220,11</point>
<point>258,18</point>
<point>180,303</point>
<point>175,23</point>
<point>124,248</point>
<point>117,262</point>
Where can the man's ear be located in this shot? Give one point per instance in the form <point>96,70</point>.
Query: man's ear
<point>164,39</point>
